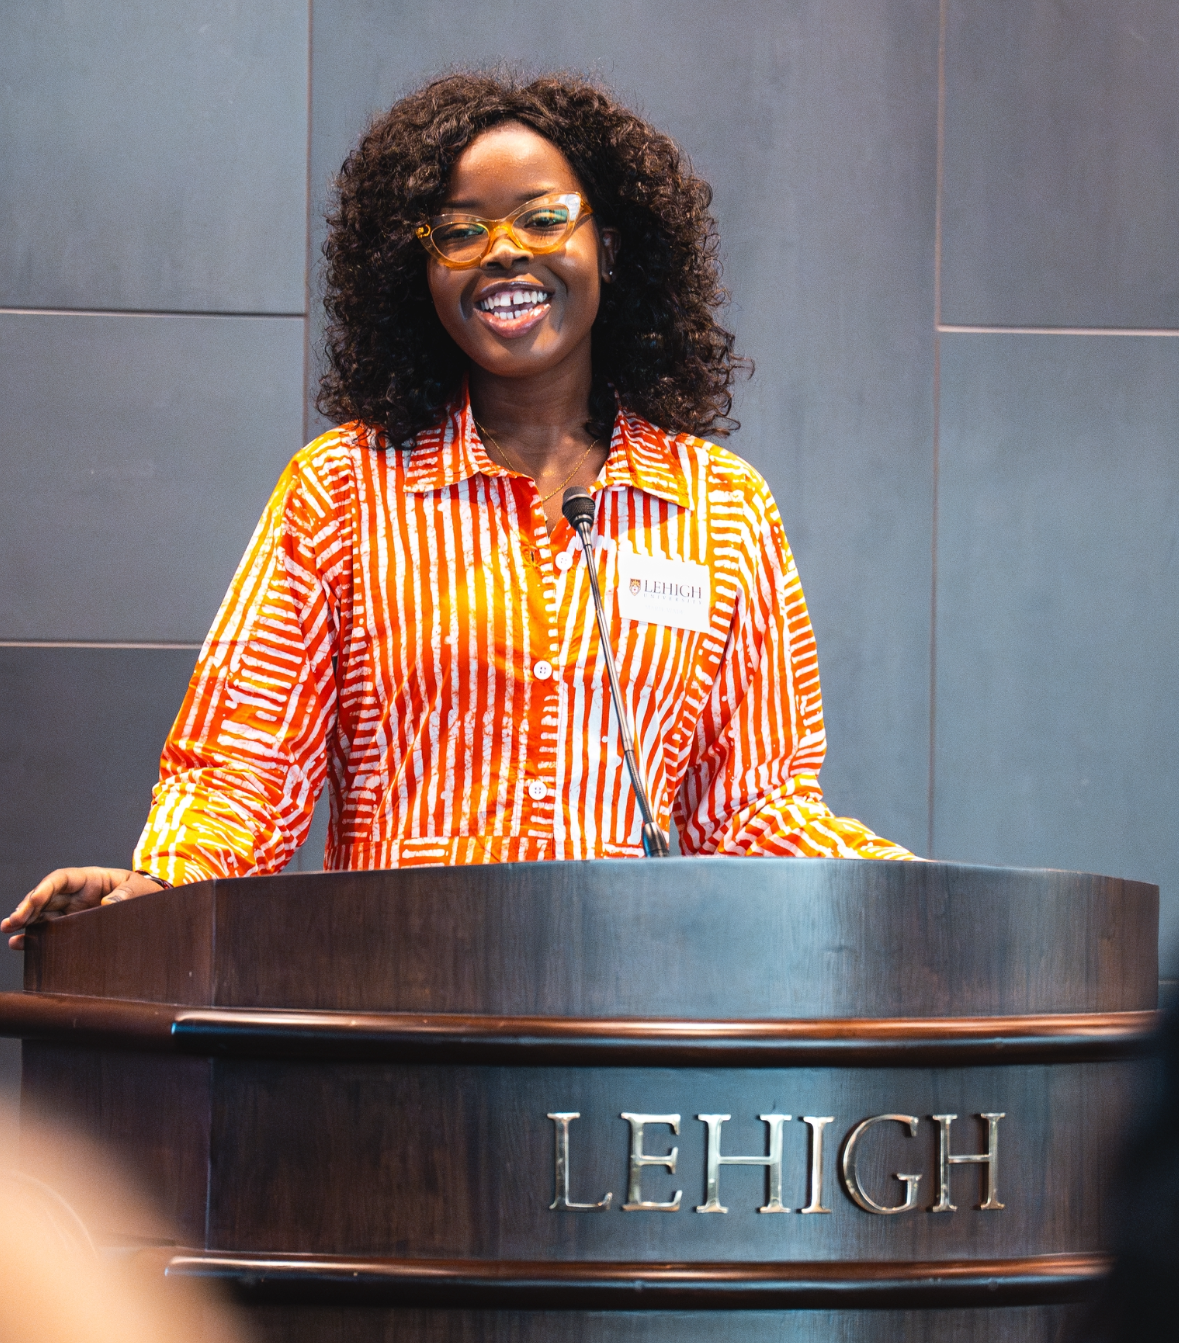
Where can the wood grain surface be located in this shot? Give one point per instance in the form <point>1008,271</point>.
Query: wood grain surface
<point>452,1162</point>
<point>683,938</point>
<point>352,1324</point>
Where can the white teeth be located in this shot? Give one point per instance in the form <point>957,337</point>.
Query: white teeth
<point>513,298</point>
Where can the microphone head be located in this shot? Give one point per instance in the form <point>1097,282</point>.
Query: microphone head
<point>577,504</point>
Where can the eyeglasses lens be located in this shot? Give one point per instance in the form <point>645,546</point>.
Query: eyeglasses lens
<point>543,227</point>
<point>461,241</point>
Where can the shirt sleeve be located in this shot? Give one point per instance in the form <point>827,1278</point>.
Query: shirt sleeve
<point>246,757</point>
<point>751,786</point>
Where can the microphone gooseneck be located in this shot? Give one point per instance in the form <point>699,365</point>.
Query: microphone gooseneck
<point>577,504</point>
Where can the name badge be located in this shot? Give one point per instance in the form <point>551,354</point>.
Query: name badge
<point>663,592</point>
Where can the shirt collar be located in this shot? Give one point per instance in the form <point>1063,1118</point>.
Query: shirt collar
<point>641,456</point>
<point>644,457</point>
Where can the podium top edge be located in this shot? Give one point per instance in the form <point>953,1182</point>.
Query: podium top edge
<point>929,866</point>
<point>728,937</point>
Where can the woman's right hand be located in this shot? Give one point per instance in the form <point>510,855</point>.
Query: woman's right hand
<point>70,889</point>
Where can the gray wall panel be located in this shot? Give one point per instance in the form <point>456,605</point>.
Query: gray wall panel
<point>818,121</point>
<point>309,858</point>
<point>139,454</point>
<point>1058,606</point>
<point>154,155</point>
<point>77,763</point>
<point>1061,188</point>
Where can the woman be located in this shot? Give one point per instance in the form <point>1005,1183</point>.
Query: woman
<point>522,282</point>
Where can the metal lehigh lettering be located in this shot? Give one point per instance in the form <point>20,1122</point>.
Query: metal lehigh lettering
<point>638,1159</point>
<point>851,1176</point>
<point>561,1201</point>
<point>714,1161</point>
<point>989,1159</point>
<point>817,1125</point>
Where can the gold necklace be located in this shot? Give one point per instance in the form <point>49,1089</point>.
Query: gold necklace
<point>515,467</point>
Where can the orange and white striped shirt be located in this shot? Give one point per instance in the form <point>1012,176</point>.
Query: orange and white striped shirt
<point>404,627</point>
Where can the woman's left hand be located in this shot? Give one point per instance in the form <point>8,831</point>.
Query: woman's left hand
<point>66,890</point>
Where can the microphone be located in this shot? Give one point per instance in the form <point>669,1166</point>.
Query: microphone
<point>577,505</point>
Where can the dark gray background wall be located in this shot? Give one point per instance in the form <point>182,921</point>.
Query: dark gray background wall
<point>952,239</point>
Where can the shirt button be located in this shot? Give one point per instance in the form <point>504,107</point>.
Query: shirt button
<point>564,560</point>
<point>542,670</point>
<point>537,791</point>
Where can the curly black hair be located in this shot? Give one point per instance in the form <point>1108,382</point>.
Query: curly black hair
<point>656,340</point>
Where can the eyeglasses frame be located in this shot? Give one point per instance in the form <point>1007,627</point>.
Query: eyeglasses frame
<point>424,231</point>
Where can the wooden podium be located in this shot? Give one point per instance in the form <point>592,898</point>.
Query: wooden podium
<point>693,1099</point>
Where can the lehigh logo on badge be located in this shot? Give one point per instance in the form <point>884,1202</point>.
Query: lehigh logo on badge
<point>662,591</point>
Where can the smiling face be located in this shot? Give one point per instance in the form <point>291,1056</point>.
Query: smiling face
<point>519,314</point>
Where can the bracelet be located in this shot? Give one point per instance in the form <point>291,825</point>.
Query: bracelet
<point>167,885</point>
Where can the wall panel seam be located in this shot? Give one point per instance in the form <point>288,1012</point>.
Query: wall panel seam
<point>144,312</point>
<point>947,329</point>
<point>307,264</point>
<point>95,643</point>
<point>936,426</point>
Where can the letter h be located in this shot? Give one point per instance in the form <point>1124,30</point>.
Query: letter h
<point>989,1158</point>
<point>714,1161</point>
